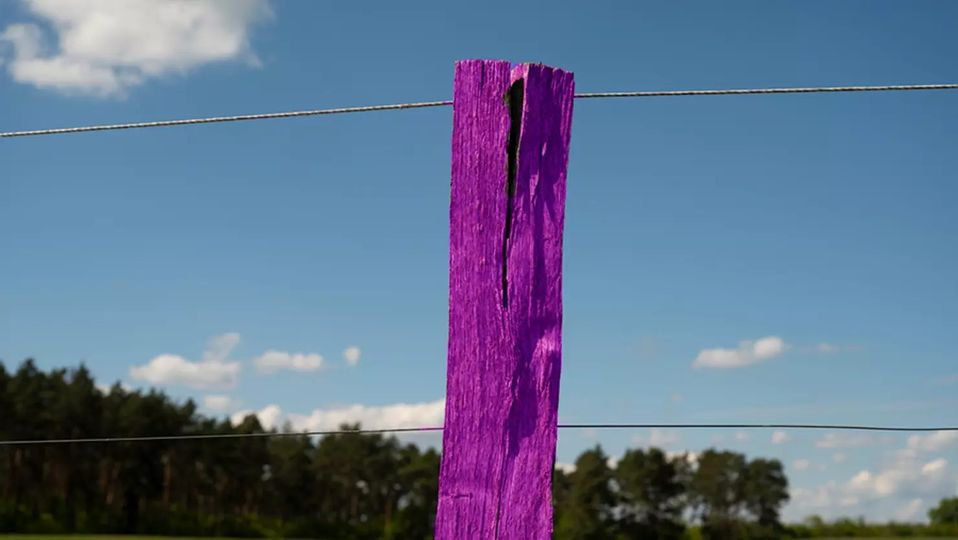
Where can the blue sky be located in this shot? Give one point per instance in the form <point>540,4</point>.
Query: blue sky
<point>810,237</point>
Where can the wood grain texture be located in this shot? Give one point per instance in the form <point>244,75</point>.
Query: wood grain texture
<point>502,392</point>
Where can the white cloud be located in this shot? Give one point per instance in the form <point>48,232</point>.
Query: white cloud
<point>219,403</point>
<point>814,498</point>
<point>831,348</point>
<point>904,473</point>
<point>105,47</point>
<point>399,415</point>
<point>105,389</point>
<point>826,348</point>
<point>934,467</point>
<point>351,355</point>
<point>567,468</point>
<point>747,353</point>
<point>658,438</point>
<point>269,416</point>
<point>687,456</point>
<point>912,510</point>
<point>801,464</point>
<point>214,371</point>
<point>741,436</point>
<point>780,437</point>
<point>934,442</point>
<point>887,488</point>
<point>271,361</point>
<point>172,369</point>
<point>845,440</point>
<point>218,348</point>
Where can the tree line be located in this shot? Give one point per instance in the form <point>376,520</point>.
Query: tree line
<point>356,486</point>
<point>651,494</point>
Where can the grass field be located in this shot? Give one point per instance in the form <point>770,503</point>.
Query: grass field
<point>97,537</point>
<point>93,537</point>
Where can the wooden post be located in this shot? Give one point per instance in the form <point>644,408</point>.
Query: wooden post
<point>510,147</point>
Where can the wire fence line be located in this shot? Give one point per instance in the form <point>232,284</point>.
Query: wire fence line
<point>754,91</point>
<point>426,104</point>
<point>429,429</point>
<point>220,119</point>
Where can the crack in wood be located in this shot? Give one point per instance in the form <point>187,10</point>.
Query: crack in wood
<point>514,100</point>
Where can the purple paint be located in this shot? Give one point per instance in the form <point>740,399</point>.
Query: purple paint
<point>502,391</point>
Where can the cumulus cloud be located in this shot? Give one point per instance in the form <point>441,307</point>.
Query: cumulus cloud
<point>214,371</point>
<point>218,348</point>
<point>692,458</point>
<point>832,348</point>
<point>826,348</point>
<point>741,436</point>
<point>848,440</point>
<point>934,467</point>
<point>106,389</point>
<point>589,434</point>
<point>913,509</point>
<point>933,442</point>
<point>399,415</point>
<point>903,484</point>
<point>780,437</point>
<point>747,353</point>
<point>801,464</point>
<point>105,47</point>
<point>219,403</point>
<point>172,369</point>
<point>271,361</point>
<point>904,473</point>
<point>269,416</point>
<point>814,497</point>
<point>351,355</point>
<point>658,438</point>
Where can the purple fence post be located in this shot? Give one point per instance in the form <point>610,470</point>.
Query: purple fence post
<point>510,147</point>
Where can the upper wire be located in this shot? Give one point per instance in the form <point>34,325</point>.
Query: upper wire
<point>426,429</point>
<point>425,104</point>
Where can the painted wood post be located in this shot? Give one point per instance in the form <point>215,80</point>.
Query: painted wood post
<point>510,147</point>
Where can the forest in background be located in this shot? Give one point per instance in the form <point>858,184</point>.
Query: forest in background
<point>355,486</point>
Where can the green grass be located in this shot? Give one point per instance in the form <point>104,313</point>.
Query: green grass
<point>130,537</point>
<point>92,537</point>
<point>119,537</point>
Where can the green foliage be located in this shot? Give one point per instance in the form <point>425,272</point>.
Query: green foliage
<point>585,511</point>
<point>816,527</point>
<point>347,486</point>
<point>343,486</point>
<point>647,493</point>
<point>945,513</point>
<point>651,495</point>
